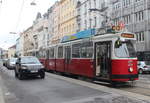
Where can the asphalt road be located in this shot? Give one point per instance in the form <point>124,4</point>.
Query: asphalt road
<point>49,90</point>
<point>54,90</point>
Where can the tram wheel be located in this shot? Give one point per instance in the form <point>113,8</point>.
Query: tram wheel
<point>113,84</point>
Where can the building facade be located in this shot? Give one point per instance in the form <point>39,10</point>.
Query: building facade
<point>135,14</point>
<point>56,23</point>
<point>28,41</point>
<point>40,31</point>
<point>5,54</point>
<point>18,46</point>
<point>50,25</point>
<point>21,45</point>
<point>87,18</point>
<point>68,24</point>
<point>12,51</point>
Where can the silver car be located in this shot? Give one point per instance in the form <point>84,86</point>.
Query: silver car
<point>143,67</point>
<point>29,66</point>
<point>11,63</point>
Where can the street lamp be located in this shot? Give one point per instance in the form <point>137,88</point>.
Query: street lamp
<point>12,33</point>
<point>33,3</point>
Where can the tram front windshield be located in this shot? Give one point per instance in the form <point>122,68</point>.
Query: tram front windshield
<point>126,49</point>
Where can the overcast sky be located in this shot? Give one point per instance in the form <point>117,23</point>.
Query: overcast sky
<point>16,16</point>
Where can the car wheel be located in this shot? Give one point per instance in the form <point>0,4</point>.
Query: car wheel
<point>20,76</point>
<point>140,71</point>
<point>42,75</point>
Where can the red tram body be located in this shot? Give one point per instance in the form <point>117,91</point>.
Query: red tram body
<point>109,57</point>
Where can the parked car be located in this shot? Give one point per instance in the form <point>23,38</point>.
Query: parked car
<point>29,66</point>
<point>143,67</point>
<point>1,62</point>
<point>11,63</point>
<point>5,62</point>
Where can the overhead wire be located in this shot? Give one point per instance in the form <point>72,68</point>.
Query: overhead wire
<point>20,13</point>
<point>1,6</point>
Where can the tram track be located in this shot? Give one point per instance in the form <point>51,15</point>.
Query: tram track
<point>141,87</point>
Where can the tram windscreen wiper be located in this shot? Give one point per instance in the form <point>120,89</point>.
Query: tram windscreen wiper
<point>126,51</point>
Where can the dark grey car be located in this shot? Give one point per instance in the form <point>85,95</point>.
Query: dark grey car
<point>29,66</point>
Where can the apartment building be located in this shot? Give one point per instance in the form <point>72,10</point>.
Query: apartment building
<point>12,51</point>
<point>87,18</point>
<point>28,43</point>
<point>68,16</point>
<point>40,31</point>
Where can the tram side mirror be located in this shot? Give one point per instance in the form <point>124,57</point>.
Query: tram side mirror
<point>118,43</point>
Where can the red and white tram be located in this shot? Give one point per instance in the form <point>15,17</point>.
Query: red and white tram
<point>110,57</point>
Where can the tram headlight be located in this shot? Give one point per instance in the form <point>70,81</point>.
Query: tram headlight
<point>130,69</point>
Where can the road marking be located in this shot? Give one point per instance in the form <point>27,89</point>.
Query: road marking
<point>1,92</point>
<point>102,88</point>
<point>7,94</point>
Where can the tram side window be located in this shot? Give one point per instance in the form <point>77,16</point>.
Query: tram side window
<point>47,54</point>
<point>40,54</point>
<point>87,50</point>
<point>60,52</point>
<point>51,53</point>
<point>44,54</point>
<point>76,50</point>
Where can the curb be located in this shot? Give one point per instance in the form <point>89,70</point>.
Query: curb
<point>1,92</point>
<point>103,88</point>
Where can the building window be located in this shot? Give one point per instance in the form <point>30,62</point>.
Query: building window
<point>95,3</point>
<point>127,19</point>
<point>137,0</point>
<point>85,22</point>
<point>126,2</point>
<point>139,16</point>
<point>85,8</point>
<point>89,3</point>
<point>95,21</point>
<point>140,36</point>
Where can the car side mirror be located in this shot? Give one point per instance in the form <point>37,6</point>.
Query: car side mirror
<point>17,62</point>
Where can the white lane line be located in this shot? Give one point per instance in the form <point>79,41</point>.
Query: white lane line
<point>102,88</point>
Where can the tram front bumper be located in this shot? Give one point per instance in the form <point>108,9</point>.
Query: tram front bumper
<point>129,77</point>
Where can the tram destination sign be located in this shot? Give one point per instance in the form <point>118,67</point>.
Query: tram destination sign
<point>127,35</point>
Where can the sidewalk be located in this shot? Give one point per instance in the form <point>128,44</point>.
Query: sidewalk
<point>1,92</point>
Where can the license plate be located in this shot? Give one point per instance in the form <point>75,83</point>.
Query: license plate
<point>34,71</point>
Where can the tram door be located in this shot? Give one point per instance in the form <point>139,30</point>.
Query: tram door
<point>103,59</point>
<point>67,57</point>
